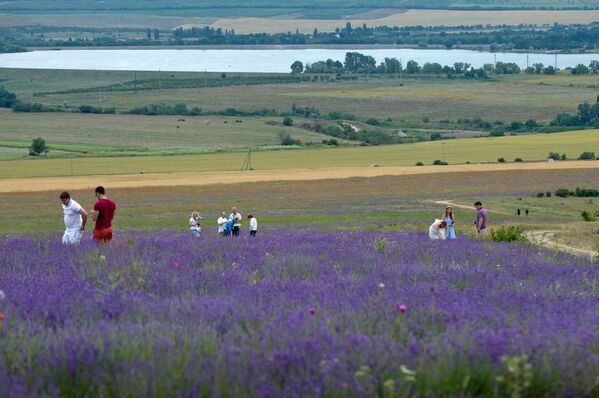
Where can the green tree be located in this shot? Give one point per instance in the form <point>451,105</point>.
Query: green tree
<point>297,67</point>
<point>38,146</point>
<point>288,121</point>
<point>7,99</point>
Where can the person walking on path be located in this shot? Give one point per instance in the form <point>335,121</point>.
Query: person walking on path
<point>194,224</point>
<point>253,225</point>
<point>222,223</point>
<point>75,218</point>
<point>103,214</point>
<point>235,217</point>
<point>437,230</point>
<point>449,219</point>
<point>481,219</point>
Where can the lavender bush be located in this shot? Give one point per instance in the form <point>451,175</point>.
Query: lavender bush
<point>297,314</point>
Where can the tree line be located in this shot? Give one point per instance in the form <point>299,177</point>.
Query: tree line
<point>357,63</point>
<point>495,38</point>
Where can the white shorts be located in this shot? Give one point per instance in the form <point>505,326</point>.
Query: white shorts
<point>72,236</point>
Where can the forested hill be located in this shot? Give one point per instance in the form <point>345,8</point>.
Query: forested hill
<point>298,8</point>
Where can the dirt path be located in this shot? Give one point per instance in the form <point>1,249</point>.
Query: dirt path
<point>544,238</point>
<point>449,203</point>
<point>230,177</point>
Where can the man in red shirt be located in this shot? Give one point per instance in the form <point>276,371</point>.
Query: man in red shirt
<point>103,213</point>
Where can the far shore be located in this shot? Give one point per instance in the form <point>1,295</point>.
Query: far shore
<point>300,47</point>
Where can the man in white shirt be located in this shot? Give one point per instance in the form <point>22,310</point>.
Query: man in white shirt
<point>222,221</point>
<point>236,217</point>
<point>75,218</point>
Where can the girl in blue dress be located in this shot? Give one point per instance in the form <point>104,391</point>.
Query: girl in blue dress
<point>449,219</point>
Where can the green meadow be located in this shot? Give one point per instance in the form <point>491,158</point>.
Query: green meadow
<point>474,150</point>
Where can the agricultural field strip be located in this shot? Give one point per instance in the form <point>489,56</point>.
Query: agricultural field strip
<point>410,18</point>
<point>231,177</point>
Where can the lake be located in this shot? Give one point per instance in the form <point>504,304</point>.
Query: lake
<point>259,60</point>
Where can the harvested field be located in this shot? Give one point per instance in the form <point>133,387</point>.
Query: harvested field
<point>232,177</point>
<point>412,18</point>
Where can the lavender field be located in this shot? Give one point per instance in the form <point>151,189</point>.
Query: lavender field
<point>295,313</point>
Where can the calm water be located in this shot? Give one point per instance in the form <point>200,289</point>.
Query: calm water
<point>257,60</point>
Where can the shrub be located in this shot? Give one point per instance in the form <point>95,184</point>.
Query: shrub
<point>540,195</point>
<point>286,139</point>
<point>563,157</point>
<point>548,194</point>
<point>419,164</point>
<point>588,216</point>
<point>553,156</point>
<point>373,122</point>
<point>426,119</point>
<point>440,163</point>
<point>509,234</point>
<point>436,136</point>
<point>501,160</point>
<point>516,125</point>
<point>496,133</point>
<point>518,160</point>
<point>288,121</point>
<point>7,99</point>
<point>331,142</point>
<point>562,192</point>
<point>587,156</point>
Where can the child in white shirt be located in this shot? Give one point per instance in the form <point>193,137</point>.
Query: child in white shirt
<point>253,225</point>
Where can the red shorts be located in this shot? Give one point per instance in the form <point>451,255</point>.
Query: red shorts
<point>103,235</point>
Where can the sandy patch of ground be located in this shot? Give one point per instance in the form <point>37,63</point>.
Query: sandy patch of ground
<point>232,177</point>
<point>545,238</point>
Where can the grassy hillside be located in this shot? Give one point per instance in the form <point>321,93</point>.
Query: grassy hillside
<point>475,150</point>
<point>133,134</point>
<point>418,105</point>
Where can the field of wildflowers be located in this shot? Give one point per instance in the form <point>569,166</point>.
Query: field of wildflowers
<point>295,313</point>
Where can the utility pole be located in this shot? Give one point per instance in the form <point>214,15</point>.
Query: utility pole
<point>527,66</point>
<point>247,163</point>
<point>555,66</point>
<point>443,146</point>
<point>205,79</point>
<point>135,81</point>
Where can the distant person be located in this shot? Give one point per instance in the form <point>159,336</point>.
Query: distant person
<point>235,217</point>
<point>194,224</point>
<point>481,219</point>
<point>253,225</point>
<point>75,218</point>
<point>222,223</point>
<point>103,214</point>
<point>526,212</point>
<point>518,212</point>
<point>449,219</point>
<point>437,230</point>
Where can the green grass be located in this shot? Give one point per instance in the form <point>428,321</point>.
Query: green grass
<point>390,203</point>
<point>475,150</point>
<point>405,102</point>
<point>145,135</point>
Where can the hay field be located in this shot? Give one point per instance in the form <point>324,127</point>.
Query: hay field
<point>412,18</point>
<point>475,150</point>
